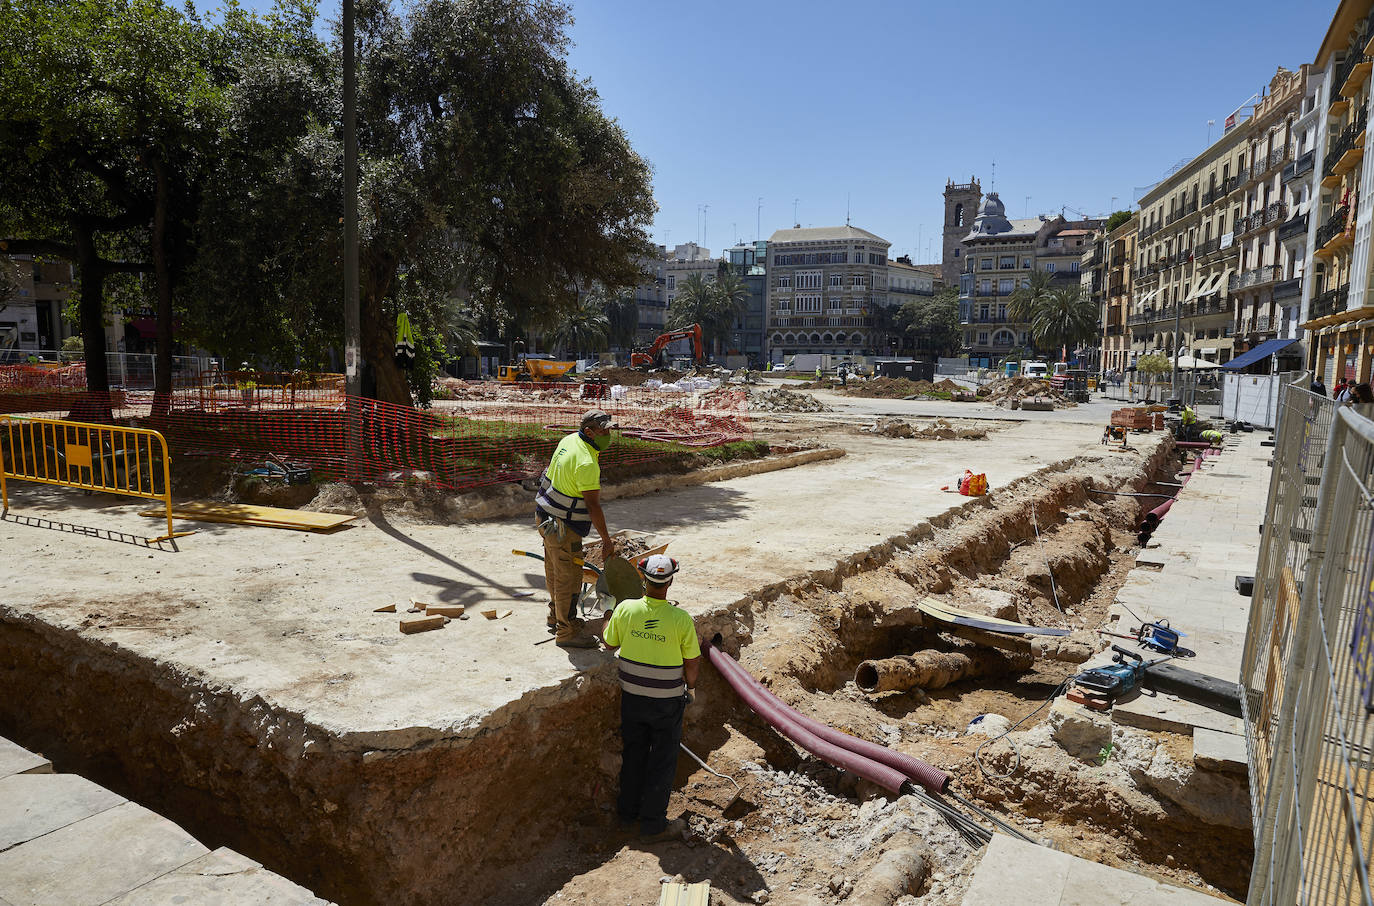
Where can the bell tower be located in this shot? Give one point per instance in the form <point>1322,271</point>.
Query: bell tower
<point>961,206</point>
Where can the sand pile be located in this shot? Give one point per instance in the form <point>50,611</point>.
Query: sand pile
<point>936,430</point>
<point>781,399</point>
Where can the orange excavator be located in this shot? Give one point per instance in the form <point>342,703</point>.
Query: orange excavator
<point>650,357</point>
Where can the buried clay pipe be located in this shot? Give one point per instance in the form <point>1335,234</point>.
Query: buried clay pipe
<point>935,669</point>
<point>841,745</point>
<point>1074,648</point>
<point>901,871</point>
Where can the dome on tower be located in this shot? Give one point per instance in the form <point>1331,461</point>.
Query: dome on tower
<point>992,217</point>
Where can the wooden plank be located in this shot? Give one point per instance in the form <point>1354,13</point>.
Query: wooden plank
<point>422,623</point>
<point>445,610</point>
<point>250,514</point>
<point>675,893</point>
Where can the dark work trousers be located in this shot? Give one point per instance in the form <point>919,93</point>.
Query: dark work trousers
<point>651,729</point>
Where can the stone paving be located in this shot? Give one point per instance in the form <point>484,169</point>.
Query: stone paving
<point>65,841</point>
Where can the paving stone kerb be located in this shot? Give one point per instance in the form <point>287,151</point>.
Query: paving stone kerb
<point>1013,871</point>
<point>288,617</point>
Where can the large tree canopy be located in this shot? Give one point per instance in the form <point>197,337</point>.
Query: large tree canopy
<point>136,137</point>
<point>488,174</point>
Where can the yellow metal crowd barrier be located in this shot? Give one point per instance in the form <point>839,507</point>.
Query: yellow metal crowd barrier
<point>128,461</point>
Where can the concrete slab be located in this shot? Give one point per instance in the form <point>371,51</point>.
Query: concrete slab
<point>96,859</point>
<point>1214,751</point>
<point>1018,872</point>
<point>32,805</point>
<point>1161,712</point>
<point>220,878</point>
<point>17,760</point>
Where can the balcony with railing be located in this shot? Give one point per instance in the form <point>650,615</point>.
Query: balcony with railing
<point>1351,72</point>
<point>1294,226</point>
<point>1332,228</point>
<point>1345,150</point>
<point>1255,277</point>
<point>990,318</point>
<point>1329,303</point>
<point>785,319</point>
<point>1301,166</point>
<point>1182,212</point>
<point>1288,289</point>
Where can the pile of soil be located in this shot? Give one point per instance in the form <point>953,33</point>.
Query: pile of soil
<point>781,399</point>
<point>1004,391</point>
<point>936,430</point>
<point>897,388</point>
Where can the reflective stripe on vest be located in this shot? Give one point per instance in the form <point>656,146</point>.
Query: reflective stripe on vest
<point>651,681</point>
<point>572,510</point>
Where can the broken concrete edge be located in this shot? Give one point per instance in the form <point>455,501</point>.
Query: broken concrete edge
<point>475,508</point>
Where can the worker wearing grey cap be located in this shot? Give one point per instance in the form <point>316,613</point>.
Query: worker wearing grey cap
<point>566,508</point>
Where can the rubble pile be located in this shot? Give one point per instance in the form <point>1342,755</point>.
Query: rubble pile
<point>781,399</point>
<point>1007,391</point>
<point>939,429</point>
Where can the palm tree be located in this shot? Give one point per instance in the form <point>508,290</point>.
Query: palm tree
<point>697,302</point>
<point>1063,318</point>
<point>583,329</point>
<point>732,300</point>
<point>1021,308</point>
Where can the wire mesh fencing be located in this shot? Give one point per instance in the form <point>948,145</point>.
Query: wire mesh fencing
<point>1308,665</point>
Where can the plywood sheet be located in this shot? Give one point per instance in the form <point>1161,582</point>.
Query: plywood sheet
<point>249,514</point>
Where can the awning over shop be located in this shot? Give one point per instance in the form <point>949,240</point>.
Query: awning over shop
<point>1262,351</point>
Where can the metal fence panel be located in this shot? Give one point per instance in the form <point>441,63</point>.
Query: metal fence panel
<point>1308,666</point>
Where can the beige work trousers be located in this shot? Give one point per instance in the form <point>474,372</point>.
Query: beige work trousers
<point>563,578</point>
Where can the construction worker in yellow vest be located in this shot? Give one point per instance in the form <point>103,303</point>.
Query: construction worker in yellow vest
<point>659,661</point>
<point>566,509</point>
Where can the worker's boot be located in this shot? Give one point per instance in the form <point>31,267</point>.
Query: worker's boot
<point>571,632</point>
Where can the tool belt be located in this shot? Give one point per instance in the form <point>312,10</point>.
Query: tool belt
<point>554,529</point>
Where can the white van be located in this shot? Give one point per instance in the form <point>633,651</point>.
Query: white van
<point>1034,369</point>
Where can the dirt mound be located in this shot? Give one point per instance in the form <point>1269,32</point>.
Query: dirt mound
<point>936,430</point>
<point>1008,390</point>
<point>780,399</point>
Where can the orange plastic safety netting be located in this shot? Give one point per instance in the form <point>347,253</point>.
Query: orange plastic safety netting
<point>506,435</point>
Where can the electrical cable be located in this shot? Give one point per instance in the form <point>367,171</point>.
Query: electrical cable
<point>977,753</point>
<point>1053,590</point>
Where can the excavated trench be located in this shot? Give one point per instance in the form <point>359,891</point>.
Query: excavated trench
<point>510,814</point>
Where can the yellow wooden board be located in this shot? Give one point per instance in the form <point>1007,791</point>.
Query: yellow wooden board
<point>675,893</point>
<point>249,514</point>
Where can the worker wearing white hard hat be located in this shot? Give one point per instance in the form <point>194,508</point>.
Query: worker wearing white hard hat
<point>660,659</point>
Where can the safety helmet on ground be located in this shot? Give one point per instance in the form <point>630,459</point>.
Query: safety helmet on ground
<point>658,568</point>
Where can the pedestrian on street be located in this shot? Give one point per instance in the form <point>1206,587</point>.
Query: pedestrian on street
<point>659,662</point>
<point>1362,394</point>
<point>566,509</point>
<point>1318,386</point>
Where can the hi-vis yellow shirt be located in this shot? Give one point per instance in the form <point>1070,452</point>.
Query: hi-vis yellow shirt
<point>574,469</point>
<point>654,638</point>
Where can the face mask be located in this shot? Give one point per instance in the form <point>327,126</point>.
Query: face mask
<point>601,441</point>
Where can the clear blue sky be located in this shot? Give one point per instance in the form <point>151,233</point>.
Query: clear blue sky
<point>873,106</point>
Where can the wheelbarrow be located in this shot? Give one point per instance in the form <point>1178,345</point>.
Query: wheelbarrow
<point>603,589</point>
